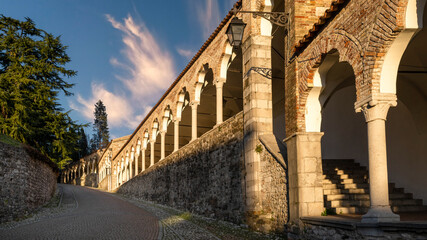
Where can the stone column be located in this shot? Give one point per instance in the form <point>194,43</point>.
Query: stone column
<point>152,143</point>
<point>162,144</point>
<point>138,153</point>
<point>176,135</point>
<point>219,100</point>
<point>375,116</point>
<point>132,158</point>
<point>194,120</point>
<point>143,160</point>
<point>305,175</point>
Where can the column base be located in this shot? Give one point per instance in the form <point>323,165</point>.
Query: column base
<point>380,214</point>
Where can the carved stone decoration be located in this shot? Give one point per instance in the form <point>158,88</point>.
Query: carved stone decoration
<point>377,111</point>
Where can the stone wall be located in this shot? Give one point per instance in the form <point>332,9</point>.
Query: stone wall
<point>205,177</point>
<point>274,192</point>
<point>27,178</point>
<point>91,180</point>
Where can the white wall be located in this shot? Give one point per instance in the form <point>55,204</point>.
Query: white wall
<point>346,136</point>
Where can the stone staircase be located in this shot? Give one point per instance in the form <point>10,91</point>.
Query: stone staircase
<point>346,190</point>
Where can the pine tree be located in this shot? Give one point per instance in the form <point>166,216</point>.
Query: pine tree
<point>101,135</point>
<point>31,76</point>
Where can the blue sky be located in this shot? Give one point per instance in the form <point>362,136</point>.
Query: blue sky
<point>126,52</point>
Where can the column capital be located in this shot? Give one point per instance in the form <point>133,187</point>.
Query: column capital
<point>377,111</point>
<point>194,104</point>
<point>219,82</point>
<point>162,132</point>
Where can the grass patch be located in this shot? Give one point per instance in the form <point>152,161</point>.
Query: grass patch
<point>185,216</point>
<point>9,141</point>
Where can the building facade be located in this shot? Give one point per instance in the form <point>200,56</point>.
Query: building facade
<point>328,112</point>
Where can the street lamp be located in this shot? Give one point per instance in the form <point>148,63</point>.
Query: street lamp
<point>235,32</point>
<point>236,27</point>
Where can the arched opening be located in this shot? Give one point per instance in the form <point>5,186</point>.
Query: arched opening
<point>233,87</point>
<point>406,128</point>
<point>133,160</point>
<point>156,139</point>
<point>206,111</point>
<point>345,134</point>
<point>185,123</point>
<point>147,147</point>
<point>169,128</point>
<point>128,166</point>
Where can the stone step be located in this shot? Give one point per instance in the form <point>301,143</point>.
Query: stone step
<point>345,176</point>
<point>344,191</point>
<point>346,186</point>
<point>349,210</point>
<point>410,208</point>
<point>332,197</point>
<point>364,196</point>
<point>343,181</point>
<point>342,172</point>
<point>339,162</point>
<point>345,166</point>
<point>348,203</point>
<point>406,202</point>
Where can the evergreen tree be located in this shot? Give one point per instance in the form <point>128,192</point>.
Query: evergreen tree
<point>82,145</point>
<point>31,76</point>
<point>101,135</point>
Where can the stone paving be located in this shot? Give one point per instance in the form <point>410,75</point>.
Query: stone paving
<point>84,213</point>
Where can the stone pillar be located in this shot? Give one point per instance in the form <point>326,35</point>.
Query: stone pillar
<point>258,114</point>
<point>375,116</point>
<point>130,166</point>
<point>162,144</point>
<point>132,158</point>
<point>176,135</point>
<point>305,175</point>
<point>142,160</point>
<point>219,100</point>
<point>152,153</point>
<point>194,120</point>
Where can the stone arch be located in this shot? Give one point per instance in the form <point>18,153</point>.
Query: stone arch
<point>167,132</point>
<point>183,99</point>
<point>200,82</point>
<point>348,49</point>
<point>225,60</point>
<point>413,23</point>
<point>206,99</point>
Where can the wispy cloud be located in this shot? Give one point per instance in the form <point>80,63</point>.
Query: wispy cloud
<point>119,109</point>
<point>150,68</point>
<point>207,15</point>
<point>187,53</point>
<point>146,70</point>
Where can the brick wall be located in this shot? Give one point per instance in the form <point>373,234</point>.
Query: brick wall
<point>27,178</point>
<point>361,32</point>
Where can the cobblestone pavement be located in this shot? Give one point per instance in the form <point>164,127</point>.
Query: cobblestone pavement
<point>87,214</point>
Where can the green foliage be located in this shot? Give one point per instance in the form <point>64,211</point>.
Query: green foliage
<point>327,212</point>
<point>101,136</point>
<point>31,77</point>
<point>259,148</point>
<point>8,140</point>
